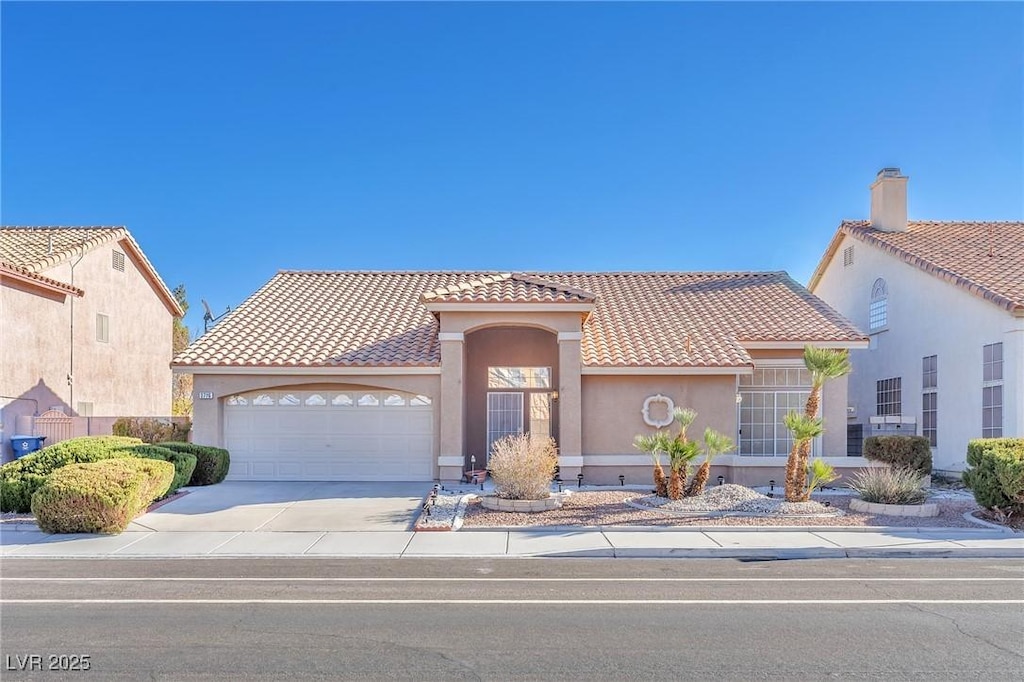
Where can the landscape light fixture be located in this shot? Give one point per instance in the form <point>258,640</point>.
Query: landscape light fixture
<point>721,480</point>
<point>579,480</point>
<point>622,480</point>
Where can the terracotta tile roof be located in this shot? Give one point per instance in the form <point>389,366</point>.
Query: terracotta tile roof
<point>985,258</point>
<point>508,288</point>
<point>36,249</point>
<point>324,319</point>
<point>14,272</point>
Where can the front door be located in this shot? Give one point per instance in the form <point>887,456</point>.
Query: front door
<point>513,412</point>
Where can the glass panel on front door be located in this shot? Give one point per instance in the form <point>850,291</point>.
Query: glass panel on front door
<point>504,416</point>
<point>540,414</point>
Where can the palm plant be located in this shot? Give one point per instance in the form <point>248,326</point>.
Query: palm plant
<point>715,444</point>
<point>804,430</point>
<point>823,364</point>
<point>683,416</point>
<point>680,453</point>
<point>818,473</point>
<point>654,445</point>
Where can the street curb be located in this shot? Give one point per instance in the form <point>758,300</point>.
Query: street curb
<point>736,529</point>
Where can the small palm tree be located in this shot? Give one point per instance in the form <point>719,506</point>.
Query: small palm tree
<point>680,453</point>
<point>653,444</point>
<point>715,444</point>
<point>818,473</point>
<point>823,364</point>
<point>683,416</point>
<point>804,430</point>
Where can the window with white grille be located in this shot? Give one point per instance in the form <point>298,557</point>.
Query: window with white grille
<point>992,391</point>
<point>930,399</point>
<point>889,397</point>
<point>878,312</point>
<point>766,396</point>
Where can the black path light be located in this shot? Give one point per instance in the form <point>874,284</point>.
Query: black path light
<point>771,488</point>
<point>622,480</point>
<point>579,480</point>
<point>721,480</point>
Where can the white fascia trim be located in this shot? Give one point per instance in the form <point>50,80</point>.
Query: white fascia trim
<point>451,336</point>
<point>570,336</point>
<point>328,371</point>
<point>450,461</point>
<point>639,460</point>
<point>627,371</point>
<point>567,461</point>
<point>510,307</point>
<point>781,362</point>
<point>800,344</point>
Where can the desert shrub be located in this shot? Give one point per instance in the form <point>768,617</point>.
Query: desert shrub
<point>20,479</point>
<point>995,472</point>
<point>101,497</point>
<point>522,466</point>
<point>891,485</point>
<point>151,429</point>
<point>906,452</point>
<point>184,463</point>
<point>211,463</point>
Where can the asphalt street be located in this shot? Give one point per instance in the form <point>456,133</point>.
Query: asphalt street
<point>505,619</point>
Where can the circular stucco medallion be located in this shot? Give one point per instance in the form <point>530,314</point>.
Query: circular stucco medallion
<point>657,420</point>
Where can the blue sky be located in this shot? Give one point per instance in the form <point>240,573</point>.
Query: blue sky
<point>236,139</point>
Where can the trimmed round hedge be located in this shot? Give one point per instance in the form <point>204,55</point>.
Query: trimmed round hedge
<point>21,478</point>
<point>996,472</point>
<point>905,452</point>
<point>101,497</point>
<point>212,463</point>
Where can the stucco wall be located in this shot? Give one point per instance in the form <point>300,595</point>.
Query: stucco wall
<point>612,408</point>
<point>130,375</point>
<point>927,316</point>
<point>503,347</point>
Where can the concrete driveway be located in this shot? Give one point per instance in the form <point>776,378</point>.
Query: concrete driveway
<point>290,506</point>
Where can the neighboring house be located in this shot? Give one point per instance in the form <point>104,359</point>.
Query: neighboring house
<point>85,326</point>
<point>411,375</point>
<point>944,306</point>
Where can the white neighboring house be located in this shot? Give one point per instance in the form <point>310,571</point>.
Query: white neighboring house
<point>943,303</point>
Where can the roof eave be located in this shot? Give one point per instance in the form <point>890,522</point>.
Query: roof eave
<point>508,306</point>
<point>38,281</point>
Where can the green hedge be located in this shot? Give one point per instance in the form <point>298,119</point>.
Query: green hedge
<point>21,478</point>
<point>101,497</point>
<point>212,465</point>
<point>996,472</point>
<point>184,463</point>
<point>905,452</point>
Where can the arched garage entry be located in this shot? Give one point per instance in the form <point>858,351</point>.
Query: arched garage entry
<point>348,434</point>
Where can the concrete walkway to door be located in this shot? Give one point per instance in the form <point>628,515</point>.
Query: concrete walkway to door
<point>237,506</point>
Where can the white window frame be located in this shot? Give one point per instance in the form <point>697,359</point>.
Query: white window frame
<point>878,309</point>
<point>756,383</point>
<point>102,328</point>
<point>898,390</point>
<point>930,391</point>
<point>989,386</point>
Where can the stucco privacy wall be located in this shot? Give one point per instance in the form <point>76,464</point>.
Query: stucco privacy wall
<point>129,375</point>
<point>927,316</point>
<point>209,414</point>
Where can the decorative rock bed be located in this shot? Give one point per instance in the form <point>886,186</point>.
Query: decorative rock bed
<point>860,505</point>
<point>735,500</point>
<point>501,504</point>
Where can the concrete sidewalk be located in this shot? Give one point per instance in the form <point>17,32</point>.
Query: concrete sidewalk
<point>710,542</point>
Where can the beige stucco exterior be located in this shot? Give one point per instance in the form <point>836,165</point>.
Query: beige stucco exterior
<point>595,415</point>
<point>45,337</point>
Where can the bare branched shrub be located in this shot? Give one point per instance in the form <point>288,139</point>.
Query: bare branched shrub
<point>522,466</point>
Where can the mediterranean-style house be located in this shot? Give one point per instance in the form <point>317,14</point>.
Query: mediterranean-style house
<point>413,375</point>
<point>943,303</point>
<point>85,327</point>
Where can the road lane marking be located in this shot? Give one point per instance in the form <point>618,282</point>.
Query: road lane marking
<point>509,602</point>
<point>195,579</point>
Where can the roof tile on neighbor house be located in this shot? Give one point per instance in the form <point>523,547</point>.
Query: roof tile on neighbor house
<point>36,249</point>
<point>984,258</point>
<point>508,288</point>
<point>369,319</point>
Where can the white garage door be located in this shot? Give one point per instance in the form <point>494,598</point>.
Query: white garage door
<point>329,436</point>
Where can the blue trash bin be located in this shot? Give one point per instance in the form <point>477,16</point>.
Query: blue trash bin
<point>25,445</point>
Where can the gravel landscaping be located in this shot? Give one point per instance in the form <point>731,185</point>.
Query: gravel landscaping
<point>609,508</point>
<point>736,499</point>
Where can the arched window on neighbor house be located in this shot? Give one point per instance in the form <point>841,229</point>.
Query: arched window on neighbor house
<point>878,313</point>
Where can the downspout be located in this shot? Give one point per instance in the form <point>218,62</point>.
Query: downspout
<point>71,362</point>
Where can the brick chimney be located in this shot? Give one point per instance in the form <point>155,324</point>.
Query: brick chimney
<point>889,201</point>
